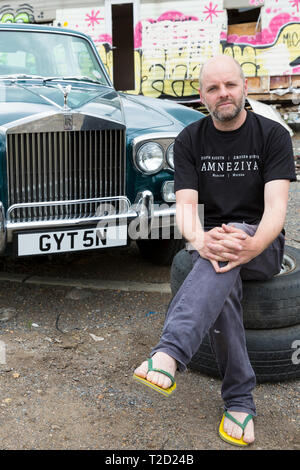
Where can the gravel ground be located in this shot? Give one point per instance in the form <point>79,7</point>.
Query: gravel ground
<point>70,353</point>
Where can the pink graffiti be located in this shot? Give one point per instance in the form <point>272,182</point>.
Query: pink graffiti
<point>167,16</point>
<point>267,35</point>
<point>255,2</point>
<point>103,38</point>
<point>211,11</point>
<point>93,18</point>
<point>176,16</point>
<point>295,3</point>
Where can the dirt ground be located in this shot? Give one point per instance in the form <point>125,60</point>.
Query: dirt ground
<point>70,353</point>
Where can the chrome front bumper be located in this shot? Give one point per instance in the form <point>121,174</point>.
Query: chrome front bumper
<point>143,212</point>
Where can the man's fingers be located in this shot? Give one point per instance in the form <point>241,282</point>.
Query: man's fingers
<point>215,265</point>
<point>228,228</point>
<point>222,249</point>
<point>232,229</point>
<point>230,244</point>
<point>229,236</point>
<point>215,257</point>
<point>230,265</point>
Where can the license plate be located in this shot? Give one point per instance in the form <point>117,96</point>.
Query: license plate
<point>62,241</point>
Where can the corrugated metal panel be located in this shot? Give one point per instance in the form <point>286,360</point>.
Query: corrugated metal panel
<point>90,20</point>
<point>280,26</point>
<point>33,12</point>
<point>235,4</point>
<point>177,37</point>
<point>39,11</point>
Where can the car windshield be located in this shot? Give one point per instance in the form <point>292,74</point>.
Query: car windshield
<point>46,55</point>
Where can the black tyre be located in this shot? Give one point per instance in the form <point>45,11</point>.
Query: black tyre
<point>266,304</point>
<point>274,354</point>
<point>160,252</point>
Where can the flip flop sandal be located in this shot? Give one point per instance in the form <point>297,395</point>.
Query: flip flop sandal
<point>232,440</point>
<point>165,391</point>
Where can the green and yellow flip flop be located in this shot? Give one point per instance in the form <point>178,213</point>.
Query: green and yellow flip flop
<point>229,439</point>
<point>165,391</point>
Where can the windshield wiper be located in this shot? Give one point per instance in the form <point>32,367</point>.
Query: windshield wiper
<point>20,76</point>
<point>79,79</point>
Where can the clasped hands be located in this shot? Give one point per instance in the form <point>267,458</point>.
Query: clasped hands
<point>227,244</point>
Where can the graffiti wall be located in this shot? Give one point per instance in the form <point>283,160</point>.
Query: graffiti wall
<point>36,12</point>
<point>173,38</point>
<point>275,50</point>
<point>171,46</point>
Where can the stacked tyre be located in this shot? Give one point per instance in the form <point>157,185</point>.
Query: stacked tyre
<point>271,319</point>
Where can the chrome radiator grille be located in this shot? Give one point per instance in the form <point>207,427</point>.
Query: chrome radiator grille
<point>64,166</point>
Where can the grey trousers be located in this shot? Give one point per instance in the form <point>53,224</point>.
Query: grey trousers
<point>208,302</point>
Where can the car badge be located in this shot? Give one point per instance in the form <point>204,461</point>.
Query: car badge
<point>68,122</point>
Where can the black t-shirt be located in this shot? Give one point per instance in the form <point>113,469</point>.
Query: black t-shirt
<point>229,169</point>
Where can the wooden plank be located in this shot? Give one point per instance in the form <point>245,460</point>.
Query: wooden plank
<point>265,83</point>
<point>295,81</point>
<point>279,81</point>
<point>270,97</point>
<point>242,29</point>
<point>254,84</point>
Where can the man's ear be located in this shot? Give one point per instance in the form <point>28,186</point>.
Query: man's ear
<point>246,87</point>
<point>201,97</point>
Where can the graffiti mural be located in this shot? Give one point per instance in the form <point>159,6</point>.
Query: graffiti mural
<point>172,43</point>
<point>275,49</point>
<point>171,48</point>
<point>278,58</point>
<point>23,14</point>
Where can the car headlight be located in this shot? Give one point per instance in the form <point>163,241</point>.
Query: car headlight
<point>150,157</point>
<point>170,155</point>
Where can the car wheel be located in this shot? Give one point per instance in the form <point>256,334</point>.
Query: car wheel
<point>274,354</point>
<point>266,304</point>
<point>160,252</point>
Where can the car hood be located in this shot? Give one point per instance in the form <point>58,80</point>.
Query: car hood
<point>19,101</point>
<point>143,113</point>
<point>23,100</point>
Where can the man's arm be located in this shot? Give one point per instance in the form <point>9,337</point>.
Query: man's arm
<point>276,199</point>
<point>189,224</point>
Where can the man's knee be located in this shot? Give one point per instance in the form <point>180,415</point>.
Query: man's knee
<point>248,228</point>
<point>237,225</point>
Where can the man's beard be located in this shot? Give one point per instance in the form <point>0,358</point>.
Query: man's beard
<point>224,116</point>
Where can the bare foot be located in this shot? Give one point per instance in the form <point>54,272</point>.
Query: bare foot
<point>160,360</point>
<point>236,431</point>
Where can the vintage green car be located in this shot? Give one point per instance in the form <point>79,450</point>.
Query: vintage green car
<point>82,166</point>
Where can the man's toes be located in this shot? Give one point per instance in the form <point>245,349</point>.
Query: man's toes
<point>228,427</point>
<point>249,434</point>
<point>237,432</point>
<point>142,370</point>
<point>158,379</point>
<point>249,439</point>
<point>232,429</point>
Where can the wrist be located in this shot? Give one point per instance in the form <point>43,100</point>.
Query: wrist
<point>197,242</point>
<point>258,244</point>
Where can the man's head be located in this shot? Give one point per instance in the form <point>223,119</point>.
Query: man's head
<point>223,88</point>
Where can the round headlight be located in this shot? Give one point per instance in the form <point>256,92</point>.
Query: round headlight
<point>170,155</point>
<point>150,157</point>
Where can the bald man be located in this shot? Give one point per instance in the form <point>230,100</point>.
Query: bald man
<point>239,166</point>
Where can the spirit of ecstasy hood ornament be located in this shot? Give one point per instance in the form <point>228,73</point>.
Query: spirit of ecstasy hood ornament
<point>65,92</point>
